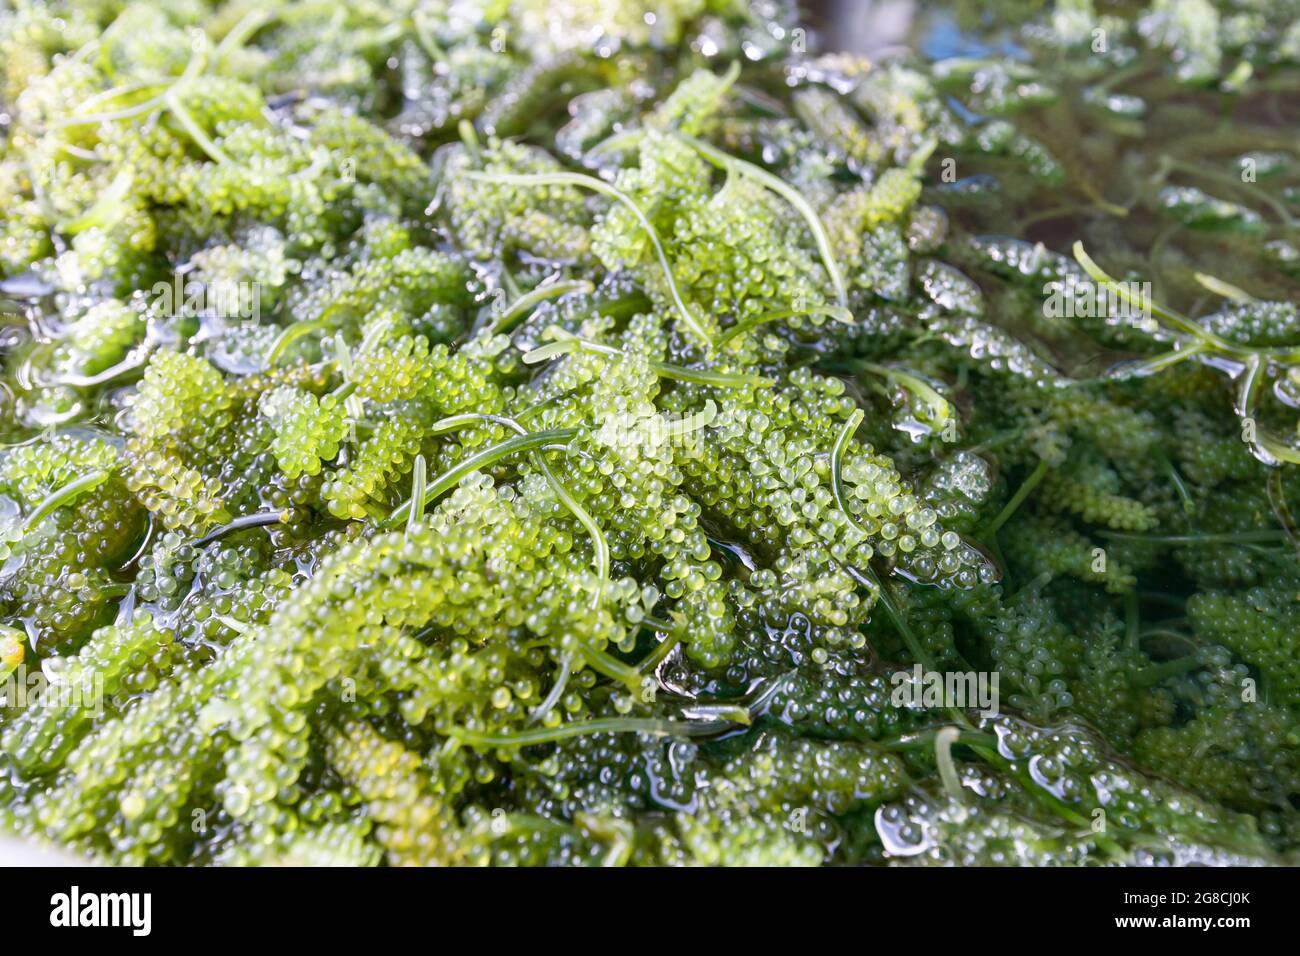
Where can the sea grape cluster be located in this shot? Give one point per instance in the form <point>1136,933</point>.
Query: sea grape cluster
<point>554,433</point>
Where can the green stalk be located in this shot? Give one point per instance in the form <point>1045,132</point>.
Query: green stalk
<point>63,496</point>
<point>259,519</point>
<point>1037,475</point>
<point>1149,676</point>
<point>527,302</point>
<point>557,690</point>
<point>612,667</point>
<point>488,456</point>
<point>416,514</point>
<point>604,188</point>
<point>943,741</point>
<point>572,343</point>
<point>241,33</point>
<point>838,313</point>
<point>1223,289</point>
<point>127,112</point>
<point>105,211</point>
<point>1277,449</point>
<point>661,651</point>
<point>173,102</point>
<point>1179,321</point>
<point>606,725</point>
<point>599,544</point>
<point>939,409</point>
<point>1241,537</point>
<point>1132,620</point>
<point>1157,364</point>
<point>290,335</point>
<point>124,367</point>
<point>789,194</point>
<point>679,373</point>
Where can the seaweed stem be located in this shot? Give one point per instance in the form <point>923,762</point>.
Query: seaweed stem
<point>599,186</point>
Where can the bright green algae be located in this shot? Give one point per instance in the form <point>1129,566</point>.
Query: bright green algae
<point>511,433</point>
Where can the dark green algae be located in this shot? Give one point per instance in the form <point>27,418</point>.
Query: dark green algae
<point>282,679</point>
